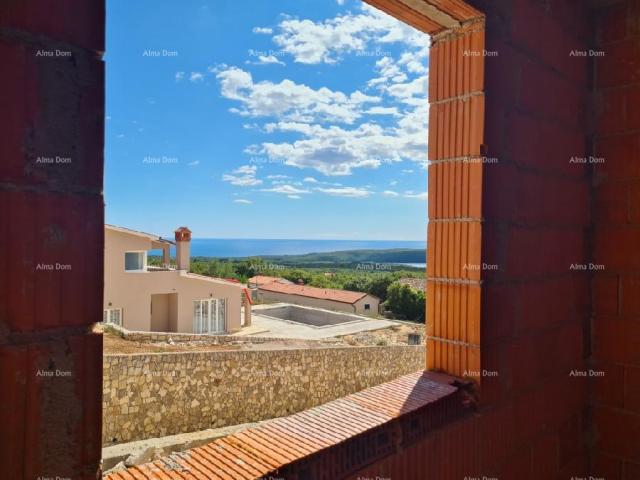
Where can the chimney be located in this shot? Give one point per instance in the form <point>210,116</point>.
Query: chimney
<point>183,248</point>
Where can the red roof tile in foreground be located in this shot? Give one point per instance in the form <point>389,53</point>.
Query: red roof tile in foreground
<point>258,451</point>
<point>342,296</point>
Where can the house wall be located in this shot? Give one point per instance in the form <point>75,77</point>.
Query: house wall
<point>372,301</point>
<point>132,291</point>
<point>160,312</point>
<point>357,307</point>
<point>616,243</point>
<point>308,301</point>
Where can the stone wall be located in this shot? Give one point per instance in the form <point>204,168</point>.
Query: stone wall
<point>158,394</point>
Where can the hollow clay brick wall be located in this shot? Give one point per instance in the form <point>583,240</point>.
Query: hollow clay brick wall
<point>51,99</point>
<point>616,243</point>
<point>506,199</point>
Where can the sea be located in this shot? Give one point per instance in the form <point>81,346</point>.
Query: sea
<point>236,247</point>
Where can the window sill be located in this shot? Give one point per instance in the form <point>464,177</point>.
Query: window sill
<point>360,429</point>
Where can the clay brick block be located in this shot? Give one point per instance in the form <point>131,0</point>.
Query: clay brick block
<point>550,354</point>
<point>621,157</point>
<point>546,147</point>
<point>544,456</point>
<point>616,249</point>
<point>606,295</point>
<point>498,312</point>
<point>543,252</point>
<point>536,32</point>
<point>50,390</point>
<point>55,138</point>
<point>545,200</point>
<point>547,95</point>
<point>616,340</point>
<point>608,389</point>
<point>611,112</point>
<point>617,433</point>
<point>611,203</point>
<point>631,471</point>
<point>56,261</point>
<point>544,303</point>
<point>606,466</point>
<point>611,24</point>
<point>634,203</point>
<point>628,296</point>
<point>499,186</point>
<point>620,64</point>
<point>74,21</point>
<point>571,436</point>
<point>632,389</point>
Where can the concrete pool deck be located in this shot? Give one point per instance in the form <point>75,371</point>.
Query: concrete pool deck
<point>264,325</point>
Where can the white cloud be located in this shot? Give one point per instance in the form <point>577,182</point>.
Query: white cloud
<point>326,41</point>
<point>196,77</point>
<point>351,192</point>
<point>419,196</point>
<point>407,171</point>
<point>294,197</point>
<point>277,177</point>
<point>179,76</point>
<point>383,111</point>
<point>390,193</point>
<point>244,176</point>
<point>269,60</point>
<point>393,182</point>
<point>288,100</point>
<point>195,163</point>
<point>243,201</point>
<point>340,2</point>
<point>285,189</point>
<point>336,151</point>
<point>310,180</point>
<point>262,30</point>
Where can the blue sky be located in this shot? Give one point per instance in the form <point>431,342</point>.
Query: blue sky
<point>261,119</point>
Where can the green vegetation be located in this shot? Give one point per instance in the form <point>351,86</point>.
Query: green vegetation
<point>406,302</point>
<point>338,270</point>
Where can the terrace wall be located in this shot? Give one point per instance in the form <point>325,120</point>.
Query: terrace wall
<point>158,394</point>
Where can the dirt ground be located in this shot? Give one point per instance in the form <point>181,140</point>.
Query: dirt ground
<point>395,335</point>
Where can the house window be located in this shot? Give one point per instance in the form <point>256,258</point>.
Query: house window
<point>367,306</point>
<point>209,316</point>
<point>112,316</point>
<point>135,261</point>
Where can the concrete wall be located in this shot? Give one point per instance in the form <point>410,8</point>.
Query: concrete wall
<point>358,307</point>
<point>132,291</point>
<point>153,395</point>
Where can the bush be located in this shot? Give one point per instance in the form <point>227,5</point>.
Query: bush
<point>405,302</point>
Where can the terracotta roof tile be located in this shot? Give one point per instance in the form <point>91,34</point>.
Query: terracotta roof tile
<point>258,451</point>
<point>343,296</point>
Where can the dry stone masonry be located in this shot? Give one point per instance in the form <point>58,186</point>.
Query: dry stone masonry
<point>157,394</point>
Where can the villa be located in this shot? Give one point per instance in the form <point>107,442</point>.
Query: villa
<point>141,297</point>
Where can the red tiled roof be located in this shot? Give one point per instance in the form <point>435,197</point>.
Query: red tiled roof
<point>343,296</point>
<point>258,451</point>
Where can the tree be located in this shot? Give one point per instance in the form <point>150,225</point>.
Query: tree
<point>405,302</point>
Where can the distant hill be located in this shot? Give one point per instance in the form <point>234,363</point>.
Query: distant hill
<point>395,255</point>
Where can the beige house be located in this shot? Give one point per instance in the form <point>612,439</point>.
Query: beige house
<point>166,299</point>
<point>327,298</point>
